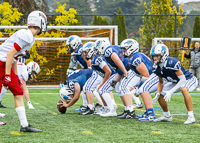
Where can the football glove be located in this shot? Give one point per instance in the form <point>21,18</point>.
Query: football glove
<point>155,99</point>
<point>113,83</point>
<point>168,95</point>
<point>7,81</point>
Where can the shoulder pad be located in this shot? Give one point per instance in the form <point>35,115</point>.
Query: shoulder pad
<point>25,35</point>
<point>108,52</point>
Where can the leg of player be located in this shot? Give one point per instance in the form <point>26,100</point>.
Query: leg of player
<point>19,107</point>
<point>84,106</point>
<point>166,113</point>
<point>26,93</point>
<point>3,92</point>
<point>189,106</point>
<point>138,103</point>
<point>148,86</point>
<point>90,107</point>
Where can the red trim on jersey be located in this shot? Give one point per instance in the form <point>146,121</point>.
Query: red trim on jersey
<point>17,47</point>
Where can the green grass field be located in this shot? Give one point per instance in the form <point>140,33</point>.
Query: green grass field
<point>71,127</point>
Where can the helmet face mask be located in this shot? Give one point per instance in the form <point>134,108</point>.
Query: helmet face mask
<point>129,46</point>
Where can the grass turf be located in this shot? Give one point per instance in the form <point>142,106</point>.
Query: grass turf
<point>71,127</point>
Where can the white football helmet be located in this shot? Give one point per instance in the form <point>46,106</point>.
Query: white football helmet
<point>101,44</point>
<point>73,42</point>
<point>66,94</point>
<point>38,19</point>
<point>89,49</point>
<point>33,67</point>
<point>162,50</point>
<point>131,46</point>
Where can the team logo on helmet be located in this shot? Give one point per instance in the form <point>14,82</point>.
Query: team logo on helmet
<point>71,39</point>
<point>99,43</point>
<point>129,42</point>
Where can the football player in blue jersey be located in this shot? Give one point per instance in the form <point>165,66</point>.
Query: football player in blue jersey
<point>99,77</point>
<point>114,58</point>
<point>177,78</point>
<point>141,65</point>
<point>75,81</point>
<point>75,47</point>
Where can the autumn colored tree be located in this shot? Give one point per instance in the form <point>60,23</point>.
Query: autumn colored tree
<point>160,26</point>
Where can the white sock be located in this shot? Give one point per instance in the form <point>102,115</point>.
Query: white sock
<point>125,108</point>
<point>84,99</point>
<point>22,116</point>
<point>3,92</point>
<point>113,101</point>
<point>91,106</point>
<point>108,100</point>
<point>190,113</point>
<point>136,99</point>
<point>97,96</point>
<point>130,108</point>
<point>167,114</point>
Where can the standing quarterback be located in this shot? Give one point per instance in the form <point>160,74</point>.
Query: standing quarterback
<point>17,45</point>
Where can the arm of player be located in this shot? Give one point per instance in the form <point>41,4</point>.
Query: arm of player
<point>88,63</point>
<point>119,63</point>
<point>142,69</point>
<point>9,60</point>
<point>157,94</point>
<point>107,71</point>
<point>77,90</point>
<point>181,82</point>
<point>25,89</point>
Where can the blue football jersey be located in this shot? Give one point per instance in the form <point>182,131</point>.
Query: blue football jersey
<point>98,63</point>
<point>80,76</point>
<point>79,59</point>
<point>171,65</point>
<point>107,54</point>
<point>138,58</point>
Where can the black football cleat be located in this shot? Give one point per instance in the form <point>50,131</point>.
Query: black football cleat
<point>98,107</point>
<point>29,128</point>
<point>87,111</point>
<point>1,106</point>
<point>122,113</point>
<point>128,115</point>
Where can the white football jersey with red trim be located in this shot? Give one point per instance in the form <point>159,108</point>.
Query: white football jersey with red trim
<point>23,38</point>
<point>22,71</point>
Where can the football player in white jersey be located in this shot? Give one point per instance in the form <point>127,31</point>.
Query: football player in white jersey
<point>24,73</point>
<point>17,45</point>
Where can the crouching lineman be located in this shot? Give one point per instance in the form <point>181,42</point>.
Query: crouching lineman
<point>17,45</point>
<point>178,79</point>
<point>75,81</point>
<point>102,73</point>
<point>75,47</point>
<point>141,65</point>
<point>114,58</point>
<point>24,73</point>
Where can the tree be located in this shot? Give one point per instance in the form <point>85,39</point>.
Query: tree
<point>160,26</point>
<point>98,20</point>
<point>120,21</point>
<point>196,27</point>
